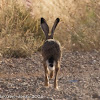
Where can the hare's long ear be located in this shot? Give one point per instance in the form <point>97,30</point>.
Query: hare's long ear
<point>54,26</point>
<point>44,27</point>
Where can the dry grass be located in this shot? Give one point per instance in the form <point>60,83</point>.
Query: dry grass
<point>80,22</point>
<point>20,33</point>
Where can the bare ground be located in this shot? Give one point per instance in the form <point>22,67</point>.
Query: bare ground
<point>79,78</point>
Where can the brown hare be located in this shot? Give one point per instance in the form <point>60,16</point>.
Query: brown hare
<point>51,52</point>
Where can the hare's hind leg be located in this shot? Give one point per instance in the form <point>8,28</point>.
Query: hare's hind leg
<point>57,67</point>
<point>46,75</point>
<point>51,74</point>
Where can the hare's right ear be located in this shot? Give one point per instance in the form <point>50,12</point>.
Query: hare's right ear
<point>44,27</point>
<point>54,26</point>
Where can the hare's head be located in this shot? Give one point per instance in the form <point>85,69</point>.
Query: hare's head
<point>45,28</point>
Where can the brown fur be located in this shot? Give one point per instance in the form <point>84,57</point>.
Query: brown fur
<point>51,48</point>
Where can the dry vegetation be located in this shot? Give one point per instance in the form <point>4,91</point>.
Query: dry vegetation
<point>20,33</point>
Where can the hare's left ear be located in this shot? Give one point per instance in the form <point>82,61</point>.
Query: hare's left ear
<point>54,26</point>
<point>44,27</point>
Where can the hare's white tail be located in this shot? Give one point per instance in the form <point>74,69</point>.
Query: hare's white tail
<point>51,63</point>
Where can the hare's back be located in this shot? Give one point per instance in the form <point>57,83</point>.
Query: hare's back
<point>51,48</point>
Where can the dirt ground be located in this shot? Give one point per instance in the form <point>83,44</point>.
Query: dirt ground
<point>79,78</point>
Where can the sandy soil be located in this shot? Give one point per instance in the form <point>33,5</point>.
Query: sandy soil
<point>79,78</point>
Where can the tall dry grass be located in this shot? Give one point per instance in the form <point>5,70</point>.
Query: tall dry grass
<point>20,33</point>
<point>80,21</point>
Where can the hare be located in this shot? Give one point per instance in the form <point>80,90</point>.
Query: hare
<point>51,52</point>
